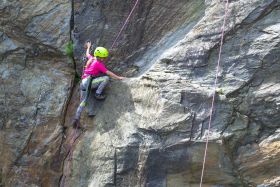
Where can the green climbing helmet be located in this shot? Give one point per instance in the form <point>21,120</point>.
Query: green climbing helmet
<point>101,52</point>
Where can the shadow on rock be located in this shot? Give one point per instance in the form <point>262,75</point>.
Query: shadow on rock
<point>107,113</point>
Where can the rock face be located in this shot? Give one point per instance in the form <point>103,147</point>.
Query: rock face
<point>151,130</point>
<point>36,80</point>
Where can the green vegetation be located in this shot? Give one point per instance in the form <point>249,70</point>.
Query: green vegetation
<point>220,91</point>
<point>69,49</point>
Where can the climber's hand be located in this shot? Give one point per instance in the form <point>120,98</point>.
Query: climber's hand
<point>121,78</point>
<point>88,44</point>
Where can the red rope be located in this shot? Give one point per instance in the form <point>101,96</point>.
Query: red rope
<point>125,23</point>
<point>214,93</point>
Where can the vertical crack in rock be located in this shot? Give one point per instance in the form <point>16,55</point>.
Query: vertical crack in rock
<point>74,137</point>
<point>72,26</point>
<point>67,148</point>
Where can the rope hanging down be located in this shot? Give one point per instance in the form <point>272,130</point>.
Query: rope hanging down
<point>214,92</point>
<point>125,23</point>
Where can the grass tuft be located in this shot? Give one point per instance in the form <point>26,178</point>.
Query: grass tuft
<point>69,49</point>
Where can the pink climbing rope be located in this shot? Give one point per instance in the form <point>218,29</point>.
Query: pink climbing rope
<point>125,23</point>
<point>214,94</point>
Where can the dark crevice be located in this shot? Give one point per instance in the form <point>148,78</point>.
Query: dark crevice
<point>192,128</point>
<point>72,23</point>
<point>67,161</point>
<point>72,26</point>
<point>68,153</point>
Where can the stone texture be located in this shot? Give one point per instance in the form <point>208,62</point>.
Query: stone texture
<point>36,80</point>
<point>151,129</point>
<point>152,21</point>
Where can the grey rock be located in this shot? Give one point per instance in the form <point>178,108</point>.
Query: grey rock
<point>151,130</point>
<point>169,103</point>
<point>36,82</point>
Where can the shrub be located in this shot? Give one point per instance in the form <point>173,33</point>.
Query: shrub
<point>69,49</point>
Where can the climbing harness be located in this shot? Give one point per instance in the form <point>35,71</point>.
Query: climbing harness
<point>214,92</point>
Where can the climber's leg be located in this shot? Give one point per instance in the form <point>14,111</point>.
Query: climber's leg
<point>83,95</point>
<point>100,83</point>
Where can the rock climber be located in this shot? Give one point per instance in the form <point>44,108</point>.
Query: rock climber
<point>95,76</point>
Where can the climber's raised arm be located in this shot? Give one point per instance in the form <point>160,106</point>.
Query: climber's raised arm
<point>88,62</point>
<point>88,48</point>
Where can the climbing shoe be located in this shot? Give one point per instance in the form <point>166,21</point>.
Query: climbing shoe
<point>99,96</point>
